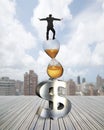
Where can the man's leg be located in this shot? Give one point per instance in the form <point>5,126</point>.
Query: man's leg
<point>53,30</point>
<point>47,34</point>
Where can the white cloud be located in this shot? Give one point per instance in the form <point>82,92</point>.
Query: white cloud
<point>83,45</point>
<point>98,54</point>
<point>44,8</point>
<point>14,42</point>
<point>88,31</point>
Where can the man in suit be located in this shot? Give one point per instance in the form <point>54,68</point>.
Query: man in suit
<point>50,26</point>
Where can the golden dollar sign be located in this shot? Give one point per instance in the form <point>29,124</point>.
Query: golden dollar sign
<point>59,106</point>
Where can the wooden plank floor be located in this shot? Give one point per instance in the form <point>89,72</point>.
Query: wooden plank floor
<point>19,113</point>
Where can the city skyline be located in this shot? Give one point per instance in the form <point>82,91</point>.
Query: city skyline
<point>28,86</point>
<point>77,80</point>
<point>80,34</point>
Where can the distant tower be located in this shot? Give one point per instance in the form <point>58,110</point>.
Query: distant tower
<point>30,83</point>
<point>98,81</point>
<point>83,80</point>
<point>78,80</point>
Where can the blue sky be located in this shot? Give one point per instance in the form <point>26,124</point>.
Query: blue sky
<point>80,34</point>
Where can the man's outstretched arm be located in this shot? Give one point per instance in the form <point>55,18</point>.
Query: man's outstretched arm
<point>42,19</point>
<point>57,19</point>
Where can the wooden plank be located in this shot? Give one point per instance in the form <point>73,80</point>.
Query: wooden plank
<point>39,125</point>
<point>43,123</point>
<point>68,124</point>
<point>16,115</point>
<point>11,108</point>
<point>54,125</point>
<point>19,113</point>
<point>61,124</point>
<point>24,120</point>
<point>82,111</point>
<point>47,125</point>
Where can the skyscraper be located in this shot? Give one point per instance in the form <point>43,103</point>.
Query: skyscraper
<point>78,80</point>
<point>83,80</point>
<point>100,84</point>
<point>99,81</point>
<point>30,83</point>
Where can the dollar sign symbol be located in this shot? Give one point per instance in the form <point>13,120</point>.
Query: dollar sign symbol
<point>59,106</point>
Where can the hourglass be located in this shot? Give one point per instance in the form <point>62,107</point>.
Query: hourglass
<point>54,69</point>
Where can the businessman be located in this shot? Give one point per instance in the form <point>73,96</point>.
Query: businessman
<point>50,26</point>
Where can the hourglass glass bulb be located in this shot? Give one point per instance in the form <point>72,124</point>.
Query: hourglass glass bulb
<point>54,69</point>
<point>51,47</point>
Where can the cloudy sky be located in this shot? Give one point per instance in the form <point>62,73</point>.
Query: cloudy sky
<point>80,33</point>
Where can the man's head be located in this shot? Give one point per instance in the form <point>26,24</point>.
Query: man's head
<point>50,15</point>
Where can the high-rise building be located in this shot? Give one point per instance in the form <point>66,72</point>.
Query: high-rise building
<point>99,81</point>
<point>7,86</point>
<point>83,80</point>
<point>30,83</point>
<point>100,85</point>
<point>71,87</point>
<point>19,87</point>
<point>78,80</point>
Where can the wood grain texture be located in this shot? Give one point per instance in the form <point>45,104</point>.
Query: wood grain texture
<point>20,113</point>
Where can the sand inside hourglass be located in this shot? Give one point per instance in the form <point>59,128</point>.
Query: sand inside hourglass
<point>54,69</point>
<point>52,52</point>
